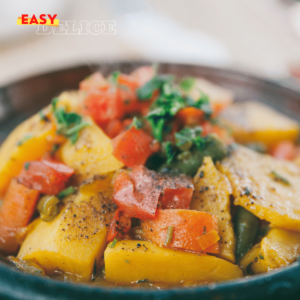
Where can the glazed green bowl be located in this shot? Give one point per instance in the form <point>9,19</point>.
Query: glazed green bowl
<point>21,99</point>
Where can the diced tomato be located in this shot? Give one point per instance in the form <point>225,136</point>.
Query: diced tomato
<point>188,226</point>
<point>103,106</point>
<point>137,193</point>
<point>43,178</point>
<point>119,226</point>
<point>113,128</point>
<point>133,147</point>
<point>190,116</point>
<point>95,81</point>
<point>285,150</point>
<point>143,74</point>
<point>177,192</point>
<point>56,165</point>
<point>16,212</point>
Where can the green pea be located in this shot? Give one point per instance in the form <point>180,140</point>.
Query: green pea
<point>48,208</point>
<point>184,155</point>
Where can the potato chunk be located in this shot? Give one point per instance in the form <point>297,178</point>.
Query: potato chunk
<point>72,100</point>
<point>267,187</point>
<point>129,261</point>
<point>280,248</point>
<point>29,141</point>
<point>91,155</point>
<point>212,195</point>
<point>256,122</point>
<point>74,239</point>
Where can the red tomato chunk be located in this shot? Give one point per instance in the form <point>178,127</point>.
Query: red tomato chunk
<point>137,193</point>
<point>177,192</point>
<point>133,147</point>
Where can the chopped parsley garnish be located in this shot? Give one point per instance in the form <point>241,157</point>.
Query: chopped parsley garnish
<point>170,152</point>
<point>162,111</point>
<point>68,124</point>
<point>26,166</point>
<point>66,192</point>
<point>126,261</point>
<point>25,139</point>
<point>279,178</point>
<point>187,83</point>
<point>113,244</point>
<point>114,76</point>
<point>169,102</point>
<point>146,91</point>
<point>260,256</point>
<point>189,136</point>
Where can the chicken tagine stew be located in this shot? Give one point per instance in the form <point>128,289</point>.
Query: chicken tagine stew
<point>147,180</point>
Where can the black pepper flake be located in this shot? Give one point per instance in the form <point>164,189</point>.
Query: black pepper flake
<point>201,175</point>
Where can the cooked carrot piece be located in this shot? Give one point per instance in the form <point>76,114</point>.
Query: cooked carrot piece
<point>137,193</point>
<point>133,147</point>
<point>190,116</point>
<point>16,211</point>
<point>208,239</point>
<point>188,226</point>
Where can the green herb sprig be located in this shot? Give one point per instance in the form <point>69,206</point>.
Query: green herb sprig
<point>66,192</point>
<point>68,124</point>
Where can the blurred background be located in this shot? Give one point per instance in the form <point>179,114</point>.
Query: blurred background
<point>259,37</point>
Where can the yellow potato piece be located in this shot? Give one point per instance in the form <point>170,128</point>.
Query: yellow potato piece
<point>280,248</point>
<point>257,190</point>
<point>212,195</point>
<point>256,122</point>
<point>71,100</point>
<point>91,155</point>
<point>29,141</point>
<point>74,239</point>
<point>128,262</point>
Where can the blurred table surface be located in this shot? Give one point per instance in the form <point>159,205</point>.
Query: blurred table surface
<point>256,33</point>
